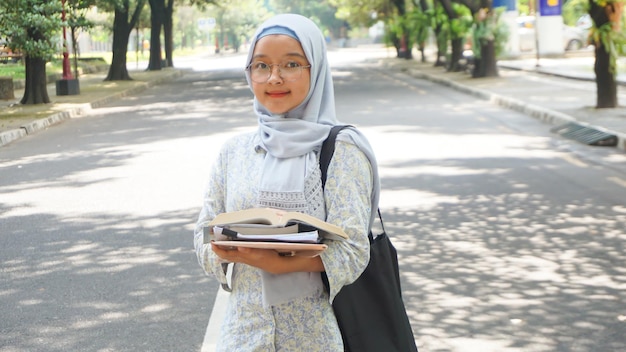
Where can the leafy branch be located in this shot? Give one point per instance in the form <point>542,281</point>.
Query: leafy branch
<point>488,27</point>
<point>609,34</point>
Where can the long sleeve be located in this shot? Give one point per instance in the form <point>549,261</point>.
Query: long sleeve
<point>212,204</point>
<point>347,198</point>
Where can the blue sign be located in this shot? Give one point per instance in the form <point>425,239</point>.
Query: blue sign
<point>550,7</point>
<point>511,5</point>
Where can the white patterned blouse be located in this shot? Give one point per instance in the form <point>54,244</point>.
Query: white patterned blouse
<point>305,322</point>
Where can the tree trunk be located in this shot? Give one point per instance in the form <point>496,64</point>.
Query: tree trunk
<point>121,32</point>
<point>422,53</point>
<point>157,13</point>
<point>606,85</point>
<point>396,44</point>
<point>423,4</point>
<point>168,34</point>
<point>455,45</point>
<point>75,50</point>
<point>35,89</point>
<point>455,57</point>
<point>486,66</point>
<point>441,47</point>
<point>403,46</point>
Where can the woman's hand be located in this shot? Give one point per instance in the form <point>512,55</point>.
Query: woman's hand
<point>268,260</point>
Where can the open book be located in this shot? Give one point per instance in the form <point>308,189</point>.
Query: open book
<point>268,221</point>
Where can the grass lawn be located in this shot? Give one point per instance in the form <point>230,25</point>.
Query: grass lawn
<point>16,71</point>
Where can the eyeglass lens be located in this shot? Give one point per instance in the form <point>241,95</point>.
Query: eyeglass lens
<point>261,72</point>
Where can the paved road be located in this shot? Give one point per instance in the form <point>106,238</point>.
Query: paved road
<point>96,222</point>
<point>510,238</point>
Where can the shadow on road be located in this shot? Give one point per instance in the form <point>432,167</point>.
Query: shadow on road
<point>507,267</point>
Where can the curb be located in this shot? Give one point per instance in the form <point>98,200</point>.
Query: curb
<point>32,127</point>
<point>619,82</point>
<point>548,116</point>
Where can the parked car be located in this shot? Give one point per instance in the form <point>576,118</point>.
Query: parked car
<point>585,22</point>
<point>574,38</point>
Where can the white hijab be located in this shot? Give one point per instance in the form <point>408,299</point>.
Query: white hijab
<point>292,140</point>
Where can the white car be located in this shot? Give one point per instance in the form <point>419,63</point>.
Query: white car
<point>574,38</point>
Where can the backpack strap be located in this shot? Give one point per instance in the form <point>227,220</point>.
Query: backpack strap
<point>328,149</point>
<point>326,154</point>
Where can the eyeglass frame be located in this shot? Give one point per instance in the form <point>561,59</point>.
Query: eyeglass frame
<point>271,66</point>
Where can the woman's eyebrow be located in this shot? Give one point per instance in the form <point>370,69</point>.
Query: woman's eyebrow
<point>260,56</point>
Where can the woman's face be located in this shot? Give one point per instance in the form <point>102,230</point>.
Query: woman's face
<point>280,93</point>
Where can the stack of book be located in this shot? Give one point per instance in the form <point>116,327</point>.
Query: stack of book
<point>289,233</point>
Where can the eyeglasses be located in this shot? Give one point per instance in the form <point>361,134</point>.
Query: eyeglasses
<point>260,72</point>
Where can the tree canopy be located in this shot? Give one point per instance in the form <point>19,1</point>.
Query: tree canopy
<point>32,26</point>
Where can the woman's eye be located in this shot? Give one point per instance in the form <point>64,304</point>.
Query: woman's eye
<point>291,64</point>
<point>260,66</point>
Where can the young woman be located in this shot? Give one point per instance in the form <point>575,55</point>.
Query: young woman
<point>279,303</point>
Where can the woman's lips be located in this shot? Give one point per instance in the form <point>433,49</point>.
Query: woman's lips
<point>277,94</point>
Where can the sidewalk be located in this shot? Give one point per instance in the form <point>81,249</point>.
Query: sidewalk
<point>540,92</point>
<point>18,121</point>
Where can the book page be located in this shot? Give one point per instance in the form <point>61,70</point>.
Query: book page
<point>297,237</point>
<point>261,229</point>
